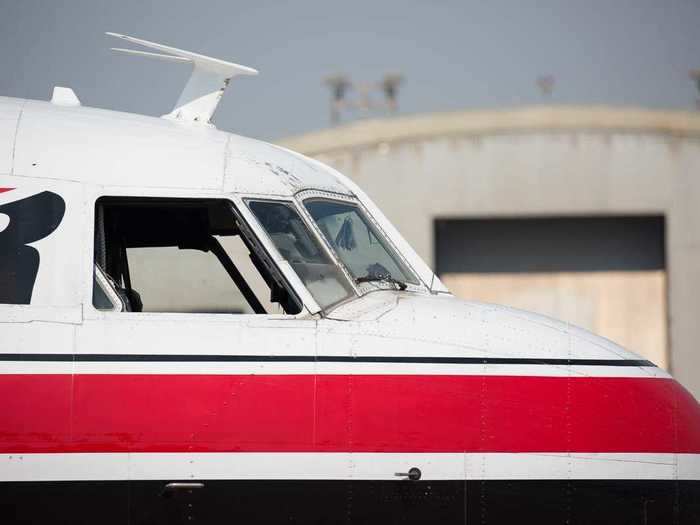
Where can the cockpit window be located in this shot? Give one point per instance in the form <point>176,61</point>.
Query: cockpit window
<point>321,276</point>
<point>361,247</point>
<point>183,255</point>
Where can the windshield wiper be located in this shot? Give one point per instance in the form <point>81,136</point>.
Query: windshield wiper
<point>381,278</point>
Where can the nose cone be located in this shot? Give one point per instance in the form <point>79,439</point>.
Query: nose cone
<point>516,382</point>
<point>686,426</point>
<point>477,329</point>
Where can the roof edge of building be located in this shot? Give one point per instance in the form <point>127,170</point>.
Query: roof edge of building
<point>365,133</point>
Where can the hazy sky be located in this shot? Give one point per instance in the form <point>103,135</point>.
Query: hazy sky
<point>454,54</point>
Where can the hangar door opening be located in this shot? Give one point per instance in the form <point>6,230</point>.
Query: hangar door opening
<point>605,274</point>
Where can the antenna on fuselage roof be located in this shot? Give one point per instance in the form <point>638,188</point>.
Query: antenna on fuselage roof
<point>206,85</point>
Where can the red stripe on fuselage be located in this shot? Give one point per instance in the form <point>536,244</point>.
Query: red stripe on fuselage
<point>3,190</point>
<point>333,413</point>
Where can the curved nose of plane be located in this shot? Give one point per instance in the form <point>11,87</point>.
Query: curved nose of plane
<point>686,430</point>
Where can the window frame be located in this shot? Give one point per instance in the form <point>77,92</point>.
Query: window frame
<point>314,232</point>
<point>255,236</point>
<point>363,288</point>
<point>101,280</point>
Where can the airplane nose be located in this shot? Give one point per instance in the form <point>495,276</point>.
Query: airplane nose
<point>687,422</point>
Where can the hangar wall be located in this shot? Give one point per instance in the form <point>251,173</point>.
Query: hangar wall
<point>604,273</point>
<point>539,162</point>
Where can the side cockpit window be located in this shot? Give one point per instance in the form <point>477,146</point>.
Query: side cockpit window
<point>297,245</point>
<point>182,255</point>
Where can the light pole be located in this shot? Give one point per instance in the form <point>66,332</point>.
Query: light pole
<point>390,86</point>
<point>357,96</point>
<point>546,85</point>
<point>339,85</point>
<point>695,77</point>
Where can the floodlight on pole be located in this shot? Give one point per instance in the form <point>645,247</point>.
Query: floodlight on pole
<point>390,86</point>
<point>546,84</point>
<point>339,85</point>
<point>362,100</point>
<point>695,77</point>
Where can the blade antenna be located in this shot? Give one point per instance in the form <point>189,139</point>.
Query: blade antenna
<point>205,87</point>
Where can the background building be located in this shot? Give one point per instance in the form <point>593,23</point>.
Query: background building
<point>587,214</point>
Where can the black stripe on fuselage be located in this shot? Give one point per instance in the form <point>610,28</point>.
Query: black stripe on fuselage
<point>544,502</point>
<point>195,358</point>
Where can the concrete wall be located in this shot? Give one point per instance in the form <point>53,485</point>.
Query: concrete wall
<point>538,162</point>
<point>606,274</point>
<point>629,308</point>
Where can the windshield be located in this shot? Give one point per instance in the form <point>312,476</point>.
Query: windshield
<point>363,250</point>
<point>321,276</point>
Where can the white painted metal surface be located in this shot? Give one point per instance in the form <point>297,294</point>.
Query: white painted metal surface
<point>64,96</point>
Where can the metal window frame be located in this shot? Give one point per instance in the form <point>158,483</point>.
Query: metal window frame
<point>363,288</point>
<point>106,286</point>
<point>238,209</point>
<point>291,201</point>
